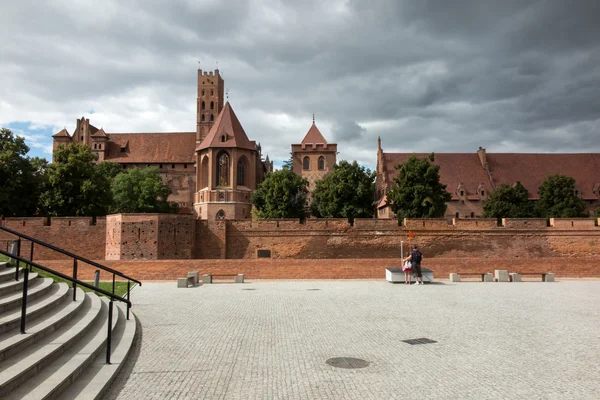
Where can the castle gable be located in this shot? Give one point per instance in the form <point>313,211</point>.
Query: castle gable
<point>313,136</point>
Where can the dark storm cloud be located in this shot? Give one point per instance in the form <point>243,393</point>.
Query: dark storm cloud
<point>424,75</point>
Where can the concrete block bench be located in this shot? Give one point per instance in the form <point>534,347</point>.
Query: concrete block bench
<point>237,278</point>
<point>192,279</point>
<point>546,276</point>
<point>515,277</point>
<point>485,276</point>
<point>501,275</point>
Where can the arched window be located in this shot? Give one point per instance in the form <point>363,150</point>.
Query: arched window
<point>202,92</point>
<point>456,215</point>
<point>220,214</point>
<point>241,172</point>
<point>202,118</point>
<point>321,163</point>
<point>223,138</point>
<point>472,214</point>
<point>203,106</point>
<point>212,105</point>
<point>212,117</point>
<point>223,169</point>
<point>212,92</point>
<point>306,163</point>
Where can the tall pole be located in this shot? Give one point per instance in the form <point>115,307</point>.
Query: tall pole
<point>402,250</point>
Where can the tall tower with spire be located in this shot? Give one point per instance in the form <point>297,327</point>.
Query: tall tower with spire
<point>209,103</point>
<point>313,158</point>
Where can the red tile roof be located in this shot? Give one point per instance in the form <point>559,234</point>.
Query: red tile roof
<point>63,133</point>
<point>314,136</point>
<point>227,124</point>
<point>176,147</point>
<point>532,169</point>
<point>455,168</point>
<point>99,132</point>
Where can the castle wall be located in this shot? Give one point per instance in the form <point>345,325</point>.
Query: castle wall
<point>84,236</point>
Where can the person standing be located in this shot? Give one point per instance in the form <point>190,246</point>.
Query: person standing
<point>415,258</point>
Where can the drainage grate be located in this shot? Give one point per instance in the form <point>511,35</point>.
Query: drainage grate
<point>347,362</point>
<point>419,341</point>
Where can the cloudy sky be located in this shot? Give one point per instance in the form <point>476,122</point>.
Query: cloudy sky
<point>437,75</point>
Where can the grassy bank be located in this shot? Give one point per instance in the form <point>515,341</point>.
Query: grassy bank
<point>120,287</point>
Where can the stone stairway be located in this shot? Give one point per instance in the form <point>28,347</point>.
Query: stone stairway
<point>63,352</point>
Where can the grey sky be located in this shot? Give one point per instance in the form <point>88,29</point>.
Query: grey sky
<point>512,76</point>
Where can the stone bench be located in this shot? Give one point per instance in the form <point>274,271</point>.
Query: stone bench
<point>485,276</point>
<point>192,279</point>
<point>237,278</point>
<point>546,276</point>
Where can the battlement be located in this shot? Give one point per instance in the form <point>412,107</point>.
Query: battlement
<point>208,73</point>
<point>329,147</point>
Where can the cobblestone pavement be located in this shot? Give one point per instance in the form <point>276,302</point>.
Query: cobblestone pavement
<point>494,341</point>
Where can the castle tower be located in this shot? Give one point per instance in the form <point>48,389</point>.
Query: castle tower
<point>209,103</point>
<point>226,173</point>
<point>99,144</point>
<point>61,138</point>
<point>314,157</point>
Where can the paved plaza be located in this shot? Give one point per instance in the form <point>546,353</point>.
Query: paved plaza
<point>271,340</point>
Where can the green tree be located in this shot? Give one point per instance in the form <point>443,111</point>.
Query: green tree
<point>75,186</point>
<point>141,190</point>
<point>20,176</point>
<point>558,198</point>
<point>508,202</point>
<point>346,192</point>
<point>109,169</point>
<point>281,195</point>
<point>417,191</point>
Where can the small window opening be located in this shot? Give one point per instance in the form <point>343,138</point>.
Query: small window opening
<point>212,105</point>
<point>184,165</point>
<point>456,215</point>
<point>462,192</point>
<point>212,117</point>
<point>172,166</point>
<point>202,117</point>
<point>223,138</point>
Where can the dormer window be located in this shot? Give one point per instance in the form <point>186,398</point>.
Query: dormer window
<point>122,149</point>
<point>223,138</point>
<point>462,192</point>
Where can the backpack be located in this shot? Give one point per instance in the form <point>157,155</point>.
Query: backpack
<point>417,257</point>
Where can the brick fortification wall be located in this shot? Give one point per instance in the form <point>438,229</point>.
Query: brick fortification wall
<point>81,235</point>
<point>378,238</point>
<point>149,236</point>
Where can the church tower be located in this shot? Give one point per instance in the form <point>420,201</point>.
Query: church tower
<point>314,157</point>
<point>210,102</point>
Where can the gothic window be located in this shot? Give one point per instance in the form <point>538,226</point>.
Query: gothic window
<point>241,172</point>
<point>202,92</point>
<point>212,105</point>
<point>202,118</point>
<point>212,117</point>
<point>321,163</point>
<point>204,172</point>
<point>221,214</point>
<point>212,92</point>
<point>456,215</point>
<point>203,106</point>
<point>223,169</point>
<point>306,164</point>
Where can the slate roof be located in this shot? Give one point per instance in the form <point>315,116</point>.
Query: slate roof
<point>228,124</point>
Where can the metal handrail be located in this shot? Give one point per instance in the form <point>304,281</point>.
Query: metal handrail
<point>74,281</point>
<point>68,253</point>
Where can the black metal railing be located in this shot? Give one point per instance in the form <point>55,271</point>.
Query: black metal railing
<point>74,282</point>
<point>75,257</point>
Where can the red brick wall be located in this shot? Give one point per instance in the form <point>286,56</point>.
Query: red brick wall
<point>149,236</point>
<point>334,269</point>
<point>76,234</point>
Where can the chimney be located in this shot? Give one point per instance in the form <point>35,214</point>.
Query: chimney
<point>482,157</point>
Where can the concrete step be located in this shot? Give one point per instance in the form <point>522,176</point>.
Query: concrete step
<point>12,342</point>
<point>98,377</point>
<point>12,285</point>
<point>58,376</point>
<point>7,274</point>
<point>36,289</point>
<point>36,308</point>
<point>28,364</point>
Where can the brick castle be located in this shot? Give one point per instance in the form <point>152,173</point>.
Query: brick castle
<point>213,171</point>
